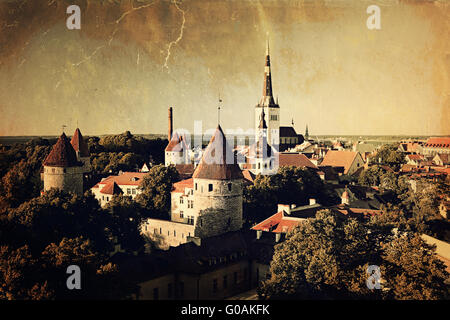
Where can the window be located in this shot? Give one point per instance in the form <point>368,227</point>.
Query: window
<point>160,230</point>
<point>133,191</point>
<point>210,187</point>
<point>64,170</point>
<point>169,290</point>
<point>196,186</point>
<point>128,191</point>
<point>190,220</point>
<point>181,199</point>
<point>107,198</point>
<point>214,285</point>
<point>174,233</point>
<point>155,231</point>
<point>155,294</point>
<point>225,282</point>
<point>181,215</point>
<point>229,186</point>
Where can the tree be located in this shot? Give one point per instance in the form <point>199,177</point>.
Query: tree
<point>156,190</point>
<point>413,272</point>
<point>58,214</point>
<point>321,259</point>
<point>371,176</point>
<point>125,216</point>
<point>390,155</point>
<point>290,185</point>
<point>327,258</point>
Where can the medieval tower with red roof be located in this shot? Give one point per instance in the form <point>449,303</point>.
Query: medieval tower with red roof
<point>218,185</point>
<point>81,149</point>
<point>62,169</point>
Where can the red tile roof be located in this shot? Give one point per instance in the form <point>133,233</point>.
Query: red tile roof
<point>79,145</point>
<point>218,161</point>
<point>248,175</point>
<point>438,142</point>
<point>62,154</point>
<point>336,158</point>
<point>111,188</point>
<point>415,156</point>
<point>295,159</point>
<point>278,223</point>
<point>126,178</point>
<point>181,185</point>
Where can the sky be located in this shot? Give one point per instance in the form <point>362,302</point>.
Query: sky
<point>131,60</point>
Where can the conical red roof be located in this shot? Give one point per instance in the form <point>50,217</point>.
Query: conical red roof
<point>62,154</point>
<point>79,144</point>
<point>218,162</point>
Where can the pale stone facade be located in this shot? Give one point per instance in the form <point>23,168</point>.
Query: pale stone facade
<point>69,179</point>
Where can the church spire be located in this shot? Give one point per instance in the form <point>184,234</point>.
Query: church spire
<point>267,88</point>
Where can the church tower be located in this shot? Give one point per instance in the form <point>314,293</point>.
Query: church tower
<point>62,170</point>
<point>267,103</point>
<point>218,186</point>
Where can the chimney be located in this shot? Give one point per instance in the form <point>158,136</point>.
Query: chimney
<point>284,207</point>
<point>312,202</point>
<point>170,123</point>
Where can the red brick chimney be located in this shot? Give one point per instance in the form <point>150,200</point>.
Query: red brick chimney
<point>170,123</point>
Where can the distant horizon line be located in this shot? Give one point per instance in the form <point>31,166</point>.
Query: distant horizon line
<point>165,134</point>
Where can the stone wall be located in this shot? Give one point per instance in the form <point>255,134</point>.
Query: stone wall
<point>165,234</point>
<point>224,202</point>
<point>68,179</point>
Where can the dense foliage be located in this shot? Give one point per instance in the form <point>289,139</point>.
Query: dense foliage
<point>328,257</point>
<point>291,185</point>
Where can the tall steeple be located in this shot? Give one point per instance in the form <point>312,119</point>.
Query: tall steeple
<point>306,132</point>
<point>267,98</point>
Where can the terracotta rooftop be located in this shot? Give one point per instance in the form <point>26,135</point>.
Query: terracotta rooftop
<point>111,188</point>
<point>62,154</point>
<point>438,142</point>
<point>126,178</point>
<point>79,145</point>
<point>181,185</point>
<point>295,159</point>
<point>336,158</point>
<point>218,161</point>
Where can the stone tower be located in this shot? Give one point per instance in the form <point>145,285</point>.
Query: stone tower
<point>81,150</point>
<point>62,170</point>
<point>271,109</point>
<point>218,185</point>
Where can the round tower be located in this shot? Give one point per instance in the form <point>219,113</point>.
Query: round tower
<point>218,185</point>
<point>62,170</point>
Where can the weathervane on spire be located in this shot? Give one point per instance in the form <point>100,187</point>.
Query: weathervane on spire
<point>218,110</point>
